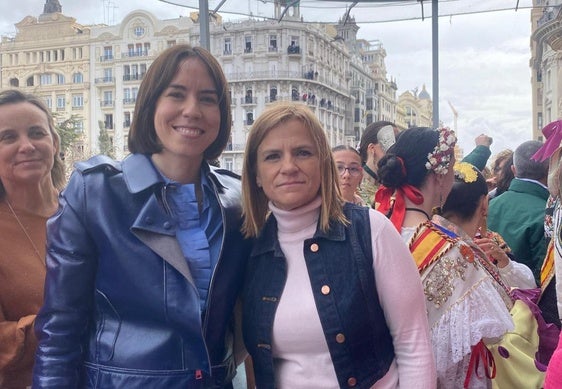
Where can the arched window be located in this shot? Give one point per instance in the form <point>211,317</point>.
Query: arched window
<point>30,81</point>
<point>14,82</point>
<point>77,78</point>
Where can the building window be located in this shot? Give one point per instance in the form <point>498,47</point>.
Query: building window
<point>45,79</point>
<point>127,120</point>
<point>249,118</point>
<point>272,94</point>
<point>139,31</point>
<point>171,43</point>
<point>107,98</point>
<point>539,120</point>
<point>14,82</point>
<point>79,126</point>
<point>229,164</point>
<point>108,75</point>
<point>49,102</point>
<point>77,101</point>
<point>227,46</point>
<point>108,122</point>
<point>60,79</point>
<point>247,44</point>
<point>107,53</point>
<point>60,102</point>
<point>273,43</point>
<point>77,78</point>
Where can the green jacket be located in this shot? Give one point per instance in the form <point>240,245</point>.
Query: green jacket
<point>518,216</point>
<point>478,157</point>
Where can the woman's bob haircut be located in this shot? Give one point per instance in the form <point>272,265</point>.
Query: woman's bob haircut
<point>142,134</point>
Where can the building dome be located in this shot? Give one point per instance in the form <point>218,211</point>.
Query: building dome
<point>424,95</point>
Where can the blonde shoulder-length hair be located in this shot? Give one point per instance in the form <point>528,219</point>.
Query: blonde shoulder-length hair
<point>254,200</point>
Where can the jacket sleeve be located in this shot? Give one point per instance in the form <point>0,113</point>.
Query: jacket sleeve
<point>69,288</point>
<point>17,343</point>
<point>478,157</point>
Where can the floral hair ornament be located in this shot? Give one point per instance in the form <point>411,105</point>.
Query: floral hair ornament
<point>439,159</point>
<point>466,172</point>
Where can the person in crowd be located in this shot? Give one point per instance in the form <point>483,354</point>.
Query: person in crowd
<point>463,303</point>
<point>145,256</point>
<point>348,164</point>
<point>464,212</point>
<point>531,343</point>
<point>376,139</point>
<point>551,272</point>
<point>502,174</point>
<point>478,157</point>
<point>307,323</point>
<point>31,175</point>
<point>518,214</point>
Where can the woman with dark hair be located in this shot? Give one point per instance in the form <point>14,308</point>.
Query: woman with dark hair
<point>145,256</point>
<point>332,298</point>
<point>31,175</point>
<point>465,213</point>
<point>463,303</point>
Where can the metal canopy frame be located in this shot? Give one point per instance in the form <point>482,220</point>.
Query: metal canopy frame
<point>205,35</point>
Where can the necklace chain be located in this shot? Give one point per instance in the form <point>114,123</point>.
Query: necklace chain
<point>24,231</point>
<point>420,211</point>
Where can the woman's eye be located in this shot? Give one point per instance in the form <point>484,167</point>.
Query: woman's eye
<point>7,137</point>
<point>271,157</point>
<point>37,134</point>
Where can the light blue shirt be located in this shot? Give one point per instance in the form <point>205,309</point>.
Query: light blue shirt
<point>199,234</point>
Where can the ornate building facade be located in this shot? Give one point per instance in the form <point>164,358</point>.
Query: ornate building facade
<point>94,72</point>
<point>546,63</point>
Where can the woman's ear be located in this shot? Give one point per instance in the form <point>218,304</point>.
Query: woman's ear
<point>483,206</point>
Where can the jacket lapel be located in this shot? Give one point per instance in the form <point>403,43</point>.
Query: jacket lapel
<point>155,229</point>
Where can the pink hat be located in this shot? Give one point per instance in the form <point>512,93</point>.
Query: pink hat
<point>553,134</point>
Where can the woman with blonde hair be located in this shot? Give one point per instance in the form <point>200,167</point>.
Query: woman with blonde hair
<point>306,322</point>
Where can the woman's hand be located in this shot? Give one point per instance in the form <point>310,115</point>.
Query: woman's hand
<point>493,251</point>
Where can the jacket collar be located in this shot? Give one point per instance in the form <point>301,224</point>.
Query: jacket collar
<point>528,187</point>
<point>140,173</point>
<point>267,240</point>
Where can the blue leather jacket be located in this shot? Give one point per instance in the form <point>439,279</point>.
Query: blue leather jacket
<point>340,268</point>
<point>121,309</point>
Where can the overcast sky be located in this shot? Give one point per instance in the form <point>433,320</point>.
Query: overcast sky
<point>484,50</point>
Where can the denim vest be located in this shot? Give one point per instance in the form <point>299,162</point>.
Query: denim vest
<point>340,267</point>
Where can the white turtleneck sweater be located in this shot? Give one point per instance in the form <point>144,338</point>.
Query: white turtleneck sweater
<point>300,351</point>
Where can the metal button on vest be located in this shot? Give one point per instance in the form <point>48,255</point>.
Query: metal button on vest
<point>325,289</point>
<point>314,247</point>
<point>167,225</point>
<point>351,382</point>
<point>340,338</point>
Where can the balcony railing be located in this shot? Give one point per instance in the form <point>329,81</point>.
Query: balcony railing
<point>107,103</point>
<point>129,54</point>
<point>133,77</point>
<point>105,80</point>
<point>107,57</point>
<point>248,100</point>
<point>130,100</point>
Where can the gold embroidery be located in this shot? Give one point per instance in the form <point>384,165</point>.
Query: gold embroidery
<point>440,281</point>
